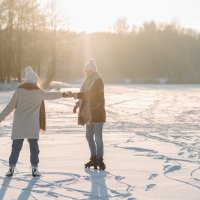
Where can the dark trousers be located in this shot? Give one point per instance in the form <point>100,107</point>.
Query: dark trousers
<point>16,148</point>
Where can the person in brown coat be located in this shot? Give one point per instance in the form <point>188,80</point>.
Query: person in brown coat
<point>92,113</point>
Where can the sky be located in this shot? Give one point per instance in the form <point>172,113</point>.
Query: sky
<point>101,15</point>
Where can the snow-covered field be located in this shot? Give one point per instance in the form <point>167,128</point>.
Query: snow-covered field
<point>152,148</point>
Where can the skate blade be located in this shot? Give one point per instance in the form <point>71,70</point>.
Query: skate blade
<point>9,175</point>
<point>33,175</point>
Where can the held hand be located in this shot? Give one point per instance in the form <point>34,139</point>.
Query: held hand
<point>74,94</point>
<point>70,94</point>
<point>67,94</point>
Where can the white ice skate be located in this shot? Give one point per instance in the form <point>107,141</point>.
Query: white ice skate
<point>10,171</point>
<point>35,172</point>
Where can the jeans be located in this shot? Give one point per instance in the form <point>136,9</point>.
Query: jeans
<point>16,148</point>
<point>95,144</point>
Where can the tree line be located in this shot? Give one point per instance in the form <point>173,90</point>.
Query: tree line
<point>27,37</point>
<point>152,53</point>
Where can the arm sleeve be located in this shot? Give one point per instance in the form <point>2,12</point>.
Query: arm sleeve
<point>51,95</point>
<point>10,107</point>
<point>97,88</point>
<point>81,95</point>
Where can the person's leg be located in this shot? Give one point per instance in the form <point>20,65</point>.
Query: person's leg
<point>98,129</point>
<point>34,152</point>
<point>90,138</point>
<point>34,158</point>
<point>92,146</point>
<point>16,148</point>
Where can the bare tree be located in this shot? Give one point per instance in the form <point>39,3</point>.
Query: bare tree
<point>26,16</point>
<point>37,25</point>
<point>56,21</point>
<point>9,45</point>
<point>1,40</point>
<point>121,26</point>
<point>53,21</point>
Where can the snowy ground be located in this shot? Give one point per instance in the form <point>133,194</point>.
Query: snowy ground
<point>152,149</point>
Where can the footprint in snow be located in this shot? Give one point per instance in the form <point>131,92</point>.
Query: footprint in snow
<point>119,178</point>
<point>194,144</point>
<point>181,153</point>
<point>166,166</point>
<point>152,176</point>
<point>150,186</point>
<point>172,169</point>
<point>129,140</point>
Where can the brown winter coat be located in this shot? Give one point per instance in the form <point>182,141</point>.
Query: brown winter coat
<point>92,102</point>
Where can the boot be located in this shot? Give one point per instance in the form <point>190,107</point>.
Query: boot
<point>100,163</point>
<point>10,171</point>
<point>35,172</point>
<point>92,162</point>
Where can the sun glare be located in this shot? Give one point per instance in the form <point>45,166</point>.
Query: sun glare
<point>100,15</point>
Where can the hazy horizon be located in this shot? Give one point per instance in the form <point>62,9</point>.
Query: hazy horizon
<point>99,16</point>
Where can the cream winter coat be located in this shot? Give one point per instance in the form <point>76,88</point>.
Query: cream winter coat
<point>26,116</point>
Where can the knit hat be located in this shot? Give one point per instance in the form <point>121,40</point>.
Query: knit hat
<point>90,66</point>
<point>31,76</point>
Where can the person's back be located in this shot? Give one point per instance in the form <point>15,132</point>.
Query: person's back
<point>29,118</point>
<point>27,114</point>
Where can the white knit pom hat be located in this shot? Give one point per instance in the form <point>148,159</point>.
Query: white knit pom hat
<point>90,66</point>
<point>31,76</point>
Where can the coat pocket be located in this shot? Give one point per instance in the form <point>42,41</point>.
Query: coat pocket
<point>98,113</point>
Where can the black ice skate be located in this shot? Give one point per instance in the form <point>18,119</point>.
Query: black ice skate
<point>92,163</point>
<point>101,164</point>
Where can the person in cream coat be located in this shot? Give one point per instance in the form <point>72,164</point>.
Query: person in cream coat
<point>29,117</point>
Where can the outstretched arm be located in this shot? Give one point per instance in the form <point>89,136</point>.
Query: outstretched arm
<point>53,95</point>
<point>10,107</point>
<point>94,91</point>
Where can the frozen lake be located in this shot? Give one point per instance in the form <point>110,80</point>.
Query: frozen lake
<point>152,148</point>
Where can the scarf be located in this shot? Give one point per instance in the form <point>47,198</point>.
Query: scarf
<point>42,115</point>
<point>85,115</point>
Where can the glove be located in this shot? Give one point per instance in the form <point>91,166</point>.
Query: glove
<point>67,94</point>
